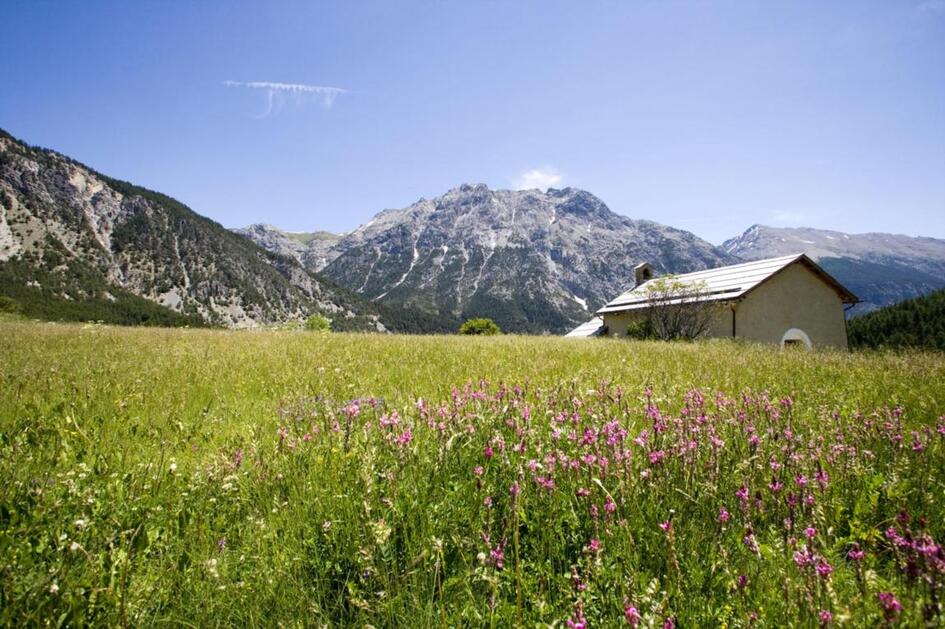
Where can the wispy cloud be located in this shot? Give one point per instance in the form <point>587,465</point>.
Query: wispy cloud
<point>789,218</point>
<point>931,6</point>
<point>277,94</point>
<point>541,178</point>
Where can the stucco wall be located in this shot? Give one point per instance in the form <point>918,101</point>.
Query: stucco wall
<point>618,322</point>
<point>794,298</point>
<point>720,326</point>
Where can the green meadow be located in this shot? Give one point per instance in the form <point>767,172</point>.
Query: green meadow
<point>193,477</point>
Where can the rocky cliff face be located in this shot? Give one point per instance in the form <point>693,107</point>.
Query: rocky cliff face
<point>314,250</point>
<point>880,269</point>
<point>70,234</point>
<point>533,261</point>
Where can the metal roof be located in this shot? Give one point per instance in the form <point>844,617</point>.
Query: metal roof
<point>587,329</point>
<point>726,283</point>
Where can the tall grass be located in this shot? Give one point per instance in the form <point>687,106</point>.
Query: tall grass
<point>206,478</point>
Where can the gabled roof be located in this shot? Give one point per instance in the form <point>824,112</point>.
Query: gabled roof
<point>728,283</point>
<point>594,327</point>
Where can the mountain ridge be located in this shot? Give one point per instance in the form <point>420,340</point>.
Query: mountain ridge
<point>534,261</point>
<point>880,268</point>
<point>96,240</point>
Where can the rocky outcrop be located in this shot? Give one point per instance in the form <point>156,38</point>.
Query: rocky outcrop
<point>314,250</point>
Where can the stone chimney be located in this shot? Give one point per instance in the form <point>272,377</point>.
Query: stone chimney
<point>642,272</point>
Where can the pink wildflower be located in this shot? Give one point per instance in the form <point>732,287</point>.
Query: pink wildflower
<point>577,620</point>
<point>891,606</point>
<point>632,615</point>
<point>803,558</point>
<point>751,543</point>
<point>497,557</point>
<point>742,495</point>
<point>855,553</point>
<point>404,438</point>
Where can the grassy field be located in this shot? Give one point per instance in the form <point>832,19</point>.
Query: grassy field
<point>212,478</point>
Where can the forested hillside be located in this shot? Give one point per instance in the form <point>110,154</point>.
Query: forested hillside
<point>918,322</point>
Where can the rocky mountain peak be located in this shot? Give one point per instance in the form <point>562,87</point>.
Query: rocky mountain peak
<point>534,261</point>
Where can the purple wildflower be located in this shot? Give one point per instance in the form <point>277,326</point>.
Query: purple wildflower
<point>891,606</point>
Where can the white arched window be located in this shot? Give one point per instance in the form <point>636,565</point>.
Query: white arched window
<point>796,337</point>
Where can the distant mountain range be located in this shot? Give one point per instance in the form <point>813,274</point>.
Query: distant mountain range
<point>533,261</point>
<point>76,244</point>
<point>540,262</point>
<point>881,269</point>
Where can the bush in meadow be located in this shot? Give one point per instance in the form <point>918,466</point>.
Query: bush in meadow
<point>318,323</point>
<point>481,326</point>
<point>8,305</point>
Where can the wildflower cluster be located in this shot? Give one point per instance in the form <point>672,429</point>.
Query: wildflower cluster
<point>501,504</point>
<point>605,503</point>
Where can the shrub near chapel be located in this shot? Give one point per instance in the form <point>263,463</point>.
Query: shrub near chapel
<point>481,326</point>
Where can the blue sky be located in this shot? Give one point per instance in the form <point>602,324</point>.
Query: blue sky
<point>709,116</point>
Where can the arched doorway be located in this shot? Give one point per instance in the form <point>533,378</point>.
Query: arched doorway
<point>796,338</point>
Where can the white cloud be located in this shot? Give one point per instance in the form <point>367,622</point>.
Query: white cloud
<point>789,217</point>
<point>541,178</point>
<point>795,218</point>
<point>278,93</point>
